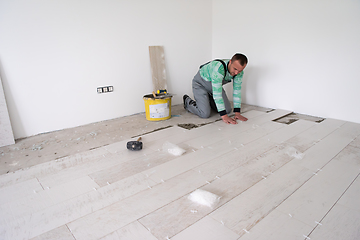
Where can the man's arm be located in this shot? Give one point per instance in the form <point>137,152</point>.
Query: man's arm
<point>217,75</point>
<point>237,97</point>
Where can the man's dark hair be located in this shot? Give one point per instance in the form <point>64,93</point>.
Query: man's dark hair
<point>241,58</point>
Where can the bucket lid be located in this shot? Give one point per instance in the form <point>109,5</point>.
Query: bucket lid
<point>164,96</point>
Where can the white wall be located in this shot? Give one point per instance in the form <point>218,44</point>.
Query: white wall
<point>303,55</point>
<point>54,54</point>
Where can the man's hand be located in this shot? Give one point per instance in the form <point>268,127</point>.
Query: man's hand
<point>228,120</point>
<point>240,117</point>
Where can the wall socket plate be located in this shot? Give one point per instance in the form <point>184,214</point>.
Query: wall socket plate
<point>105,89</point>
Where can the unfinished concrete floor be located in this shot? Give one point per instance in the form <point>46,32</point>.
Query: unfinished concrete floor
<point>275,180</point>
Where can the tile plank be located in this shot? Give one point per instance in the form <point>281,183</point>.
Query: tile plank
<point>157,62</point>
<point>238,171</point>
<point>220,131</point>
<point>356,142</point>
<point>182,213</point>
<point>52,167</point>
<point>350,155</point>
<point>143,195</point>
<point>92,165</point>
<point>187,136</point>
<point>351,197</point>
<point>148,139</point>
<point>308,138</point>
<point>330,146</point>
<point>115,216</point>
<point>235,137</point>
<point>248,147</point>
<point>129,168</point>
<point>133,231</point>
<point>315,198</point>
<point>340,223</point>
<point>60,233</point>
<point>35,202</point>
<point>278,226</point>
<point>213,151</point>
<point>20,190</point>
<point>34,224</point>
<point>261,199</point>
<point>207,229</point>
<point>183,163</point>
<point>263,118</point>
<point>6,132</point>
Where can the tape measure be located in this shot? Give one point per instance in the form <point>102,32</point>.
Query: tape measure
<point>161,91</point>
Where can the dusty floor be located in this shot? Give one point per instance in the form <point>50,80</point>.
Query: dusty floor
<point>45,147</point>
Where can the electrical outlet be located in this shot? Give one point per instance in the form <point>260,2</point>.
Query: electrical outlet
<point>105,89</point>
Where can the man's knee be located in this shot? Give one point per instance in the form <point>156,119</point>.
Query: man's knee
<point>205,114</point>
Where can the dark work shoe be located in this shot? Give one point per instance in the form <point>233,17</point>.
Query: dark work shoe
<point>184,99</point>
<point>188,102</point>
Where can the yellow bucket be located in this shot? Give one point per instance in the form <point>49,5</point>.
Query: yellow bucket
<point>157,109</point>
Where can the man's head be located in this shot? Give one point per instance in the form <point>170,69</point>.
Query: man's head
<point>237,64</point>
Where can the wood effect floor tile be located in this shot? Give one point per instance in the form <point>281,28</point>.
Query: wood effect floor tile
<point>129,168</point>
<point>6,132</point>
<point>34,224</point>
<point>236,136</point>
<point>52,167</point>
<point>221,131</point>
<point>278,226</point>
<point>212,132</point>
<point>133,231</point>
<point>208,229</point>
<point>147,139</point>
<point>187,162</point>
<point>19,190</point>
<point>24,206</point>
<point>60,233</point>
<point>330,146</point>
<point>47,217</point>
<point>183,163</point>
<point>234,159</point>
<point>340,223</point>
<point>249,150</point>
<point>179,215</point>
<point>290,131</point>
<point>92,165</point>
<point>351,197</point>
<point>315,198</point>
<point>305,140</point>
<point>109,219</point>
<point>182,213</point>
<point>249,208</point>
<point>356,142</point>
<point>350,155</point>
<point>259,119</point>
<point>46,198</point>
<point>310,154</point>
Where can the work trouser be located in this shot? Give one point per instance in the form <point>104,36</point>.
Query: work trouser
<point>202,91</point>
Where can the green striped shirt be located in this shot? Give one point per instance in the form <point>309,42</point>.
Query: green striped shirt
<point>214,72</point>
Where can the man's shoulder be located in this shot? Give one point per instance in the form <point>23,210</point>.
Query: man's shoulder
<point>219,65</point>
